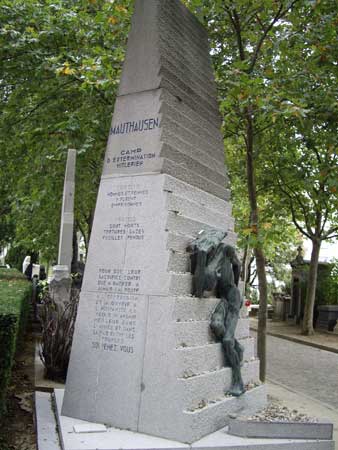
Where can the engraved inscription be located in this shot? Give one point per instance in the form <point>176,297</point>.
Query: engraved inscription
<point>119,280</point>
<point>130,231</point>
<point>127,196</point>
<point>114,323</point>
<point>134,157</point>
<point>135,126</point>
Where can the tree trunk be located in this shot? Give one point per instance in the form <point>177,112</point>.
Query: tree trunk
<point>262,312</point>
<point>75,258</point>
<point>245,268</point>
<point>311,288</point>
<point>258,251</point>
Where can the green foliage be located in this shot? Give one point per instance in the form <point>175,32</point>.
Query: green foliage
<point>58,81</point>
<point>11,274</point>
<point>331,285</point>
<point>14,305</point>
<point>62,62</point>
<point>280,78</point>
<point>16,255</point>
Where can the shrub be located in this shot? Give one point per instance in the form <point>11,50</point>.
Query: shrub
<point>332,287</point>
<point>11,274</point>
<point>57,322</point>
<point>15,294</point>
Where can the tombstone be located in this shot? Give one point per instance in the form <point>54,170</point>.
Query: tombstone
<point>61,282</point>
<point>335,330</point>
<point>143,357</point>
<point>299,279</point>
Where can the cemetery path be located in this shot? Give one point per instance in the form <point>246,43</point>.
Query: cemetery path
<point>307,370</point>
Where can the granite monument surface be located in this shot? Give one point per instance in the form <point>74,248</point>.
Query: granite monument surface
<point>143,356</point>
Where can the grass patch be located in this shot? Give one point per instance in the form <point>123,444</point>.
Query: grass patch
<point>15,293</point>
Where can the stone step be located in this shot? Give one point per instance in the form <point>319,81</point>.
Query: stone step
<point>180,17</point>
<point>190,308</point>
<point>175,103</point>
<point>180,224</point>
<point>178,138</point>
<point>211,386</point>
<point>196,195</point>
<point>208,102</point>
<point>202,141</point>
<point>194,361</point>
<point>177,9</point>
<point>179,242</point>
<point>180,284</point>
<point>202,70</point>
<point>197,332</point>
<point>171,61</point>
<point>186,118</point>
<point>193,210</point>
<point>179,75</point>
<point>213,162</point>
<point>193,308</point>
<point>201,60</point>
<point>177,133</point>
<point>191,100</point>
<point>183,33</point>
<point>215,416</point>
<point>171,168</point>
<point>192,163</point>
<point>178,262</point>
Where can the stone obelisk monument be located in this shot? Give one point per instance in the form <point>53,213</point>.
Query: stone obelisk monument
<point>143,357</point>
<point>67,214</point>
<point>60,285</point>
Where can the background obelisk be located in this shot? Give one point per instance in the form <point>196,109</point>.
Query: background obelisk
<point>143,357</point>
<point>67,215</point>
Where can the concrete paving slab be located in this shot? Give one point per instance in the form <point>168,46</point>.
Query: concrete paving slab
<point>116,439</point>
<point>47,436</point>
<point>323,340</point>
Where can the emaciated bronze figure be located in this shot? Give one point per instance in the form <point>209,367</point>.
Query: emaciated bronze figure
<point>215,267</point>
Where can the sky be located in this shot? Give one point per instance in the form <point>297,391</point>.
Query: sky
<point>328,251</point>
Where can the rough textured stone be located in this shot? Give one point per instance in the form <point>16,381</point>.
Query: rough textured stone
<point>196,360</point>
<point>67,214</point>
<point>197,332</point>
<point>282,430</point>
<point>143,357</point>
<point>60,285</point>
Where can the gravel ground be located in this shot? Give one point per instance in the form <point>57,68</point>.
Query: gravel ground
<point>275,412</point>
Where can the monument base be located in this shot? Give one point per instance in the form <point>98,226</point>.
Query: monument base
<point>77,434</point>
<point>60,284</point>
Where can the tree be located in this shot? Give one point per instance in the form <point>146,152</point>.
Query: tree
<point>61,62</point>
<point>244,35</point>
<point>305,164</point>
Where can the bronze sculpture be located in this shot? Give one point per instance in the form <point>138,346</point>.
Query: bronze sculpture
<point>215,267</point>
